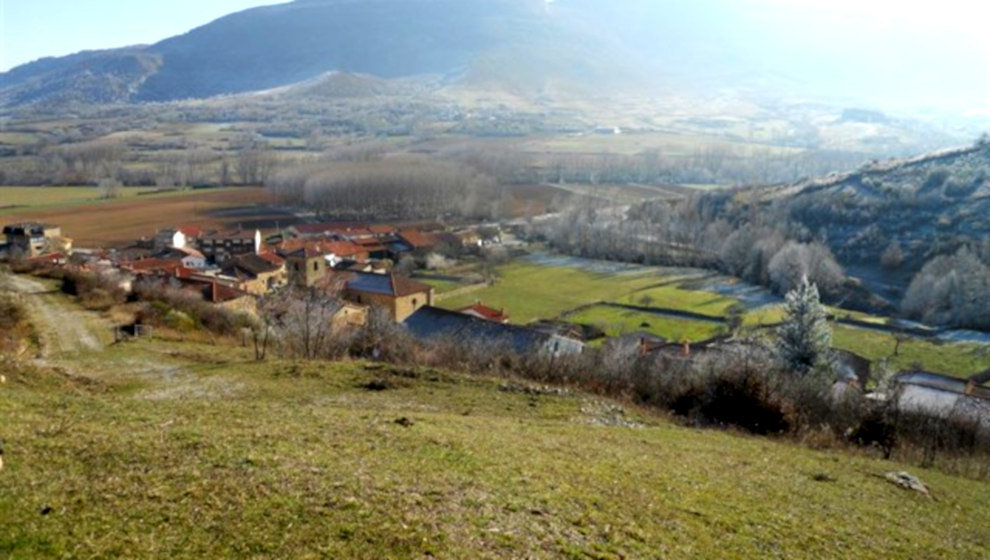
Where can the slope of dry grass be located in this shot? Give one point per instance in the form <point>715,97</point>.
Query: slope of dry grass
<point>157,449</point>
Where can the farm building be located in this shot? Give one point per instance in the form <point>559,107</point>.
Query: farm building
<point>221,246</point>
<point>431,323</point>
<point>256,274</point>
<point>944,396</point>
<point>401,296</point>
<point>33,239</point>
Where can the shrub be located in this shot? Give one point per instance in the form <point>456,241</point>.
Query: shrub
<point>179,321</point>
<point>164,300</point>
<point>14,328</point>
<point>95,291</point>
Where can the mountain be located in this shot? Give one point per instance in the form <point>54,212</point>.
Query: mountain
<point>525,47</point>
<point>767,49</point>
<point>109,76</point>
<point>273,46</point>
<point>679,65</point>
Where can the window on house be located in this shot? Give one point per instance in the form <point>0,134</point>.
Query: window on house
<point>316,266</point>
<point>415,302</point>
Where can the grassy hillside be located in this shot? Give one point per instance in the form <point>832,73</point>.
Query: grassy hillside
<point>158,449</point>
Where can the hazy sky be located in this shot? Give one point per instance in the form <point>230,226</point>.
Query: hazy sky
<point>911,52</point>
<point>31,29</point>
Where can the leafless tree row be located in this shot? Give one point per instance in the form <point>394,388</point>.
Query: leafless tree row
<point>691,233</point>
<point>406,188</point>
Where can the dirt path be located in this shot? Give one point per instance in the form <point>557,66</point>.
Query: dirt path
<point>64,328</point>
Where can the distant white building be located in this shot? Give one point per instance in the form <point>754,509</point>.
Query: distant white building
<point>608,130</point>
<point>944,397</point>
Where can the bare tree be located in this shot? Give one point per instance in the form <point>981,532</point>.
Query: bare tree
<point>893,256</point>
<point>309,316</point>
<point>273,310</point>
<point>109,188</point>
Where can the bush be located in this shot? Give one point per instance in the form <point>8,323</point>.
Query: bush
<point>14,328</point>
<point>96,292</point>
<point>163,301</point>
<point>179,321</point>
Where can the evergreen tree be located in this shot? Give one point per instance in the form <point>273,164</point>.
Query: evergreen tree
<point>805,337</point>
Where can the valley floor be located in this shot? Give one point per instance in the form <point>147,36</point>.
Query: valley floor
<point>156,449</point>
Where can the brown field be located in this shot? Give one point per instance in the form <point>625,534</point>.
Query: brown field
<point>532,200</point>
<point>120,222</point>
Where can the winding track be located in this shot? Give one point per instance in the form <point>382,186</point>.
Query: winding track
<point>63,328</point>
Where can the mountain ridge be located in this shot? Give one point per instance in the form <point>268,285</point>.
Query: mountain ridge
<point>274,46</point>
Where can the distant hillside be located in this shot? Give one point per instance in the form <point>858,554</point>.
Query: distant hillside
<point>679,65</point>
<point>523,47</point>
<point>109,76</point>
<point>343,85</point>
<point>273,46</point>
<point>929,205</point>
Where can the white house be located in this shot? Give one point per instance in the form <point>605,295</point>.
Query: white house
<point>191,258</point>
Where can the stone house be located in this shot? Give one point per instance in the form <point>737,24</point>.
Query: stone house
<point>256,274</point>
<point>305,267</point>
<point>222,246</point>
<point>399,295</point>
<point>33,239</point>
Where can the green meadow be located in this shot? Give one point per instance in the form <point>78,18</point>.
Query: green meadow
<point>528,291</point>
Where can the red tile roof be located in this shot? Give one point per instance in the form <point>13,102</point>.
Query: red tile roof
<point>188,252</point>
<point>183,272</point>
<point>148,266</point>
<point>211,290</point>
<point>220,293</point>
<point>371,245</point>
<point>301,248</point>
<point>191,231</point>
<point>251,266</point>
<point>418,239</point>
<point>345,249</point>
<point>327,228</point>
<point>384,284</point>
<point>485,312</point>
<point>381,229</point>
<point>402,286</point>
<point>272,258</point>
<point>342,249</point>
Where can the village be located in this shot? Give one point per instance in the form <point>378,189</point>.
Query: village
<point>370,267</point>
<point>351,261</point>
